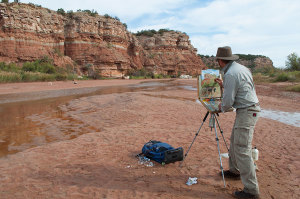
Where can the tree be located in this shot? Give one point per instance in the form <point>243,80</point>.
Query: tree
<point>61,11</point>
<point>293,62</point>
<point>4,1</point>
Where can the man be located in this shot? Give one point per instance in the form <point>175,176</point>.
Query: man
<point>239,93</point>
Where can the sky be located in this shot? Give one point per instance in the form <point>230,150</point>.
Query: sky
<point>259,27</point>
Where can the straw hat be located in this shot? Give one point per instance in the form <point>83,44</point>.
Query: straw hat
<point>225,53</point>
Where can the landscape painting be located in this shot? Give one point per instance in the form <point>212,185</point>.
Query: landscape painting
<point>209,92</point>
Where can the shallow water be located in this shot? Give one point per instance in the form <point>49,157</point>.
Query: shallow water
<point>290,118</point>
<point>28,124</point>
<point>191,88</point>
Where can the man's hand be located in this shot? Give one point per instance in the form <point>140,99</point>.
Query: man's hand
<point>219,81</point>
<point>220,109</point>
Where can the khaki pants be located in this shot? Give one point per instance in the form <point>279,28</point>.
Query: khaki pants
<point>240,152</point>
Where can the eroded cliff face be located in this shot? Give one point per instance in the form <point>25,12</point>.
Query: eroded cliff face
<point>171,53</point>
<point>256,63</point>
<point>98,43</point>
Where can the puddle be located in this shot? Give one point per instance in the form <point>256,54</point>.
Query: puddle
<point>290,118</point>
<point>191,88</point>
<point>29,124</point>
<point>145,84</point>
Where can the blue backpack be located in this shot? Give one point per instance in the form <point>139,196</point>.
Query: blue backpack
<point>162,152</point>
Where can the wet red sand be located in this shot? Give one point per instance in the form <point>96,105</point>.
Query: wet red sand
<point>102,163</point>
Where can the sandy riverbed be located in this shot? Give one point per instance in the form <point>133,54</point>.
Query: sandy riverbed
<point>102,163</point>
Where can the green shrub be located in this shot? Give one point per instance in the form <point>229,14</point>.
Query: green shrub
<point>137,77</point>
<point>287,76</point>
<point>61,77</point>
<point>141,72</point>
<point>46,68</point>
<point>70,13</point>
<point>148,33</point>
<point>282,77</point>
<point>37,76</point>
<point>158,76</point>
<point>295,88</point>
<point>107,16</point>
<point>71,76</point>
<point>295,75</point>
<point>61,11</point>
<point>11,67</point>
<point>29,67</point>
<point>263,70</point>
<point>249,57</point>
<point>293,62</point>
<point>43,65</point>
<point>92,12</point>
<point>161,31</point>
<point>259,77</point>
<point>144,74</point>
<point>6,77</point>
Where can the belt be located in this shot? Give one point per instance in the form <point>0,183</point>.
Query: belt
<point>254,105</point>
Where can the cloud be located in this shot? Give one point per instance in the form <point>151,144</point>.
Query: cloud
<point>128,10</point>
<point>269,27</point>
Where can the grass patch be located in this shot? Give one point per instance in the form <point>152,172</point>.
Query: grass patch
<point>144,74</point>
<point>9,77</point>
<point>39,70</point>
<point>37,77</point>
<point>295,88</point>
<point>276,75</point>
<point>261,78</point>
<point>293,76</point>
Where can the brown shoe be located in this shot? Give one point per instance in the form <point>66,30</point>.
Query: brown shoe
<point>229,174</point>
<point>243,195</point>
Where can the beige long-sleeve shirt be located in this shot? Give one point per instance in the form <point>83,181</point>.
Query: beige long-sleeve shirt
<point>239,90</point>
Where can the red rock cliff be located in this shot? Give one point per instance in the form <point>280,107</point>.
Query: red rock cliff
<point>170,52</point>
<point>99,43</point>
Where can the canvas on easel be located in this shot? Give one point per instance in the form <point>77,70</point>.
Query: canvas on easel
<point>209,92</point>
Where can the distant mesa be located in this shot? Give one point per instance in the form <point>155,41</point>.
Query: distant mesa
<point>92,43</point>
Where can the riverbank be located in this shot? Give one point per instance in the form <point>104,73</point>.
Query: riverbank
<point>15,92</point>
<point>102,163</point>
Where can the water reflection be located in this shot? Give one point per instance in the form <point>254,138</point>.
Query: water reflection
<point>32,123</point>
<point>191,88</point>
<point>284,117</point>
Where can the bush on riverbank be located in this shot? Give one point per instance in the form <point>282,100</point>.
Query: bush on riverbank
<point>39,70</point>
<point>278,75</point>
<point>295,88</point>
<point>144,74</point>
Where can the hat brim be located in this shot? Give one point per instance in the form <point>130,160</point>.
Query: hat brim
<point>232,58</point>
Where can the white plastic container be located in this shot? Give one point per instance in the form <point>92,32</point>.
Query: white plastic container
<point>225,155</point>
<point>255,153</point>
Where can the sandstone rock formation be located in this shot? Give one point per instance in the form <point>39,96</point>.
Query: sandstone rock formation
<point>258,62</point>
<point>170,52</point>
<point>94,43</point>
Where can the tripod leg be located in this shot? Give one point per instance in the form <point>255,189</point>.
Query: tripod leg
<point>217,139</point>
<point>222,134</point>
<point>194,138</point>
